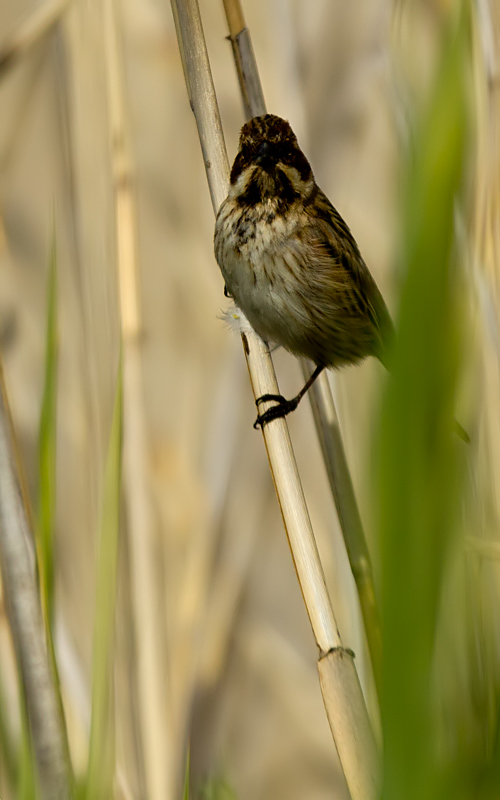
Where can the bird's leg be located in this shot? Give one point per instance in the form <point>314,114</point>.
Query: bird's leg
<point>284,406</point>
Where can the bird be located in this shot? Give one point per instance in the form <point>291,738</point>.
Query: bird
<point>291,264</point>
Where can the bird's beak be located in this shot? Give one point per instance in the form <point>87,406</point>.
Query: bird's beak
<point>265,157</point>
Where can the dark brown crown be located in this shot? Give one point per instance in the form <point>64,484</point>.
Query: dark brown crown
<point>283,145</point>
<point>266,128</point>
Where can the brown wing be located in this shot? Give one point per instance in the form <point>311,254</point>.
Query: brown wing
<point>336,263</point>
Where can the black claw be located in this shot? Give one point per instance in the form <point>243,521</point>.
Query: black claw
<point>266,398</point>
<point>283,408</point>
<point>226,292</point>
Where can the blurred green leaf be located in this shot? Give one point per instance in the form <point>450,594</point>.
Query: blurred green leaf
<point>8,753</point>
<point>185,791</point>
<point>418,466</point>
<point>102,733</point>
<point>217,789</point>
<point>47,441</point>
<point>47,446</point>
<point>26,775</point>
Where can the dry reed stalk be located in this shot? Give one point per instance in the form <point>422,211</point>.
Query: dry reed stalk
<point>320,394</point>
<point>155,736</point>
<point>91,192</point>
<point>348,720</point>
<point>244,57</point>
<point>30,31</point>
<point>20,588</point>
<point>339,476</point>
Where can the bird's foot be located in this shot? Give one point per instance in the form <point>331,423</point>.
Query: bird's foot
<point>282,408</point>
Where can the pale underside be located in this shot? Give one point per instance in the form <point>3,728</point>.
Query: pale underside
<point>285,271</point>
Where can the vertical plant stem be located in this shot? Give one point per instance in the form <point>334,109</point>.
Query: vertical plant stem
<point>47,448</point>
<point>101,768</point>
<point>25,615</point>
<point>339,476</point>
<point>419,490</point>
<point>246,66</point>
<point>320,394</point>
<point>351,730</point>
<point>157,748</point>
<point>9,749</point>
<point>47,478</point>
<point>26,775</point>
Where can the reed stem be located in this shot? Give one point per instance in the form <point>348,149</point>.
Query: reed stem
<point>320,394</point>
<point>351,728</point>
<point>22,598</point>
<point>157,748</point>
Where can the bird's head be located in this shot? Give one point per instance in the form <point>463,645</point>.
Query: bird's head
<point>270,163</point>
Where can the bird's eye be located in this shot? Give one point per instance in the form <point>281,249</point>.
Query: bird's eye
<point>247,154</point>
<point>286,155</point>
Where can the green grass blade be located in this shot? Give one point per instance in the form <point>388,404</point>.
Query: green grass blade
<point>26,789</point>
<point>9,768</point>
<point>185,791</point>
<point>102,747</point>
<point>47,447</point>
<point>47,442</point>
<point>418,480</point>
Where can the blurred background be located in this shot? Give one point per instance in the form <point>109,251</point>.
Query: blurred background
<point>213,644</point>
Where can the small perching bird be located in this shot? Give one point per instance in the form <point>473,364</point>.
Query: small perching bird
<point>291,263</point>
